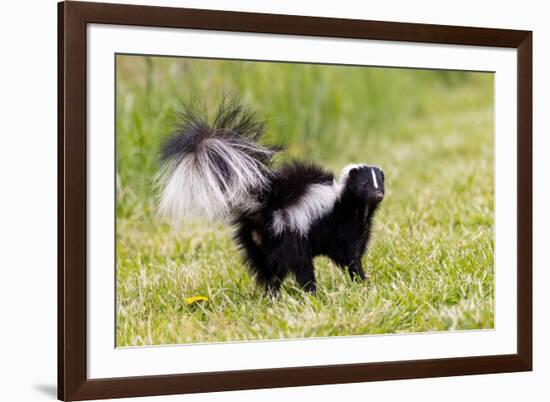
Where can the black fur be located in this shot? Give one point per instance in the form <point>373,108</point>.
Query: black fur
<point>231,121</point>
<point>342,233</point>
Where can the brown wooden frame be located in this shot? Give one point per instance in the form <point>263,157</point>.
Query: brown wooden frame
<point>73,383</point>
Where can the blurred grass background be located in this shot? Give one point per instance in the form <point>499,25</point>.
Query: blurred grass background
<point>430,264</point>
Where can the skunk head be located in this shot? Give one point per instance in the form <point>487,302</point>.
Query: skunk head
<point>365,182</point>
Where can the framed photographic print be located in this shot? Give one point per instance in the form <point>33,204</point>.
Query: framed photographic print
<point>252,200</point>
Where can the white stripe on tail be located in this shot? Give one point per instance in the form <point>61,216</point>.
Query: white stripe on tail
<point>195,186</point>
<point>213,170</point>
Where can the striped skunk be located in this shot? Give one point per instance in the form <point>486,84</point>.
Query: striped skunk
<point>283,217</point>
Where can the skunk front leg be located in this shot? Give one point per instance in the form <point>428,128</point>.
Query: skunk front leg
<point>356,269</point>
<point>272,287</point>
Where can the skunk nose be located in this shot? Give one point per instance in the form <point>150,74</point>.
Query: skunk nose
<point>379,196</point>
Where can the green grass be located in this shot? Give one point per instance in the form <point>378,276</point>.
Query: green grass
<point>430,264</point>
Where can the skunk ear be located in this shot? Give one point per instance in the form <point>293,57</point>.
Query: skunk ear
<point>353,172</point>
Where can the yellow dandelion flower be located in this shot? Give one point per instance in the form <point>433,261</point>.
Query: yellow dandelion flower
<point>194,299</point>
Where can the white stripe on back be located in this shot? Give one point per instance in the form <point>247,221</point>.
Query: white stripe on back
<point>317,201</point>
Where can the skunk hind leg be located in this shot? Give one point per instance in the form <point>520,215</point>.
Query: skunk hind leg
<point>255,247</point>
<point>305,276</point>
<point>291,254</point>
<point>271,259</point>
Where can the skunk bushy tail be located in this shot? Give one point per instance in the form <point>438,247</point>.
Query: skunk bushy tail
<point>211,165</point>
